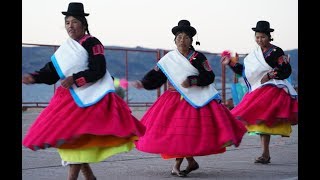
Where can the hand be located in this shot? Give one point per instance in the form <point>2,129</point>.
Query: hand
<point>235,59</point>
<point>225,60</point>
<point>136,84</point>
<point>27,79</point>
<point>264,79</point>
<point>67,82</point>
<point>185,83</point>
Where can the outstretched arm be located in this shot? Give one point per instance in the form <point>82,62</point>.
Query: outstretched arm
<point>234,65</point>
<point>27,79</point>
<point>46,75</point>
<point>154,79</point>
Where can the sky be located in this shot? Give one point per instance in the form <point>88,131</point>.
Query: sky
<point>220,24</point>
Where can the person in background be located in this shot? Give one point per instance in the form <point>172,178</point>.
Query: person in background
<point>85,119</point>
<point>188,119</point>
<point>271,106</point>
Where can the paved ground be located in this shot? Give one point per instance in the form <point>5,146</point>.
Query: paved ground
<point>236,163</point>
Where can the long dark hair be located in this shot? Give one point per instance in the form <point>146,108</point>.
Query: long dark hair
<point>269,36</point>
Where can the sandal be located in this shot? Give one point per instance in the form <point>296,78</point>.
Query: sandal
<point>262,160</point>
<point>178,173</point>
<point>188,170</point>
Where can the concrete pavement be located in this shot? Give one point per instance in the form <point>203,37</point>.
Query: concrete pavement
<point>236,163</point>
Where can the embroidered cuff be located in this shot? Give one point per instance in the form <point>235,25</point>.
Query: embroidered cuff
<point>80,82</point>
<point>268,76</point>
<point>271,75</point>
<point>193,81</point>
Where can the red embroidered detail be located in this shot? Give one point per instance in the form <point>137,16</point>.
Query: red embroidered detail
<point>273,74</point>
<point>206,65</point>
<point>280,60</point>
<point>84,38</point>
<point>98,49</point>
<point>81,81</point>
<point>193,56</point>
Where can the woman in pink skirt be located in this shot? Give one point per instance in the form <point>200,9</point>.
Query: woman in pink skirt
<point>188,119</point>
<point>270,107</point>
<point>85,119</point>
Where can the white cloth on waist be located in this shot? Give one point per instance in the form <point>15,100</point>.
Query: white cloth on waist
<point>177,68</point>
<point>255,67</point>
<point>71,58</point>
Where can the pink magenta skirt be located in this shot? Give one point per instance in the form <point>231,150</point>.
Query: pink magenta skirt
<point>176,129</point>
<point>268,105</point>
<point>62,122</point>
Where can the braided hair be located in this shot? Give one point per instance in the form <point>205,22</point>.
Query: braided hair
<point>269,36</point>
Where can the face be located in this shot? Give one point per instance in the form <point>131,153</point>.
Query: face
<point>262,39</point>
<point>183,42</point>
<point>74,27</point>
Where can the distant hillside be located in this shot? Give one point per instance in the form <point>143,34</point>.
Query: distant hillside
<point>33,58</point>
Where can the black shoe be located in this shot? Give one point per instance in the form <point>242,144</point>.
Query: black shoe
<point>188,170</point>
<point>262,160</point>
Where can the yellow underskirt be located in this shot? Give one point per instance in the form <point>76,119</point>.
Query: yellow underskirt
<point>283,129</point>
<point>93,154</point>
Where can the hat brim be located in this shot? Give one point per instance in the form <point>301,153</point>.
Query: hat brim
<point>188,29</point>
<point>75,14</point>
<point>262,30</point>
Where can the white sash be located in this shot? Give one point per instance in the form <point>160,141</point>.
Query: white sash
<point>256,67</point>
<point>177,68</point>
<point>71,58</point>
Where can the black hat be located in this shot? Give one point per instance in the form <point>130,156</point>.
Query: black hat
<point>184,25</point>
<point>75,9</point>
<point>262,26</point>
